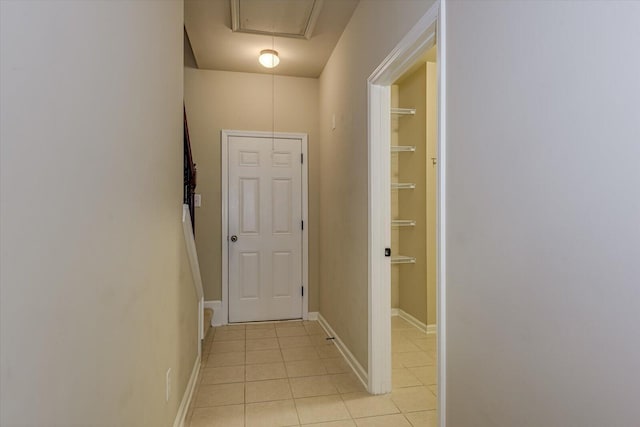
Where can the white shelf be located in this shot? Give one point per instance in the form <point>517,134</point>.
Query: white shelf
<point>400,259</point>
<point>403,148</point>
<point>403,223</point>
<point>404,111</point>
<point>402,186</point>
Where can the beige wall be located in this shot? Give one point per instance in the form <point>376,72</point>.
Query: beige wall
<point>413,286</point>
<point>543,213</point>
<point>412,168</point>
<point>395,206</point>
<point>97,301</point>
<point>218,100</point>
<point>374,30</point>
<point>432,194</point>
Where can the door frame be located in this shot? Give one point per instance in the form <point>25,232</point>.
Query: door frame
<point>415,43</point>
<point>224,160</point>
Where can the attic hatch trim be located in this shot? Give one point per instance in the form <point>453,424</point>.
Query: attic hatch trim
<point>308,32</point>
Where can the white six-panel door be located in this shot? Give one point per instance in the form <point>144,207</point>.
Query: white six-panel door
<point>264,228</point>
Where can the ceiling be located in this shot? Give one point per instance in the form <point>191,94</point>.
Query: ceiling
<point>208,24</point>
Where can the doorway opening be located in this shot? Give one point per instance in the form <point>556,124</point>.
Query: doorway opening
<point>264,238</point>
<point>406,221</point>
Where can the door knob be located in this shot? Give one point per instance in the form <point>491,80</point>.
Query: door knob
<point>234,238</point>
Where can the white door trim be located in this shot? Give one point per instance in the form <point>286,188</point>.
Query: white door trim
<point>441,252</point>
<point>406,53</point>
<point>224,160</point>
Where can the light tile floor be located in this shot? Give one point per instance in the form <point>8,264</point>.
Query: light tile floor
<point>289,374</point>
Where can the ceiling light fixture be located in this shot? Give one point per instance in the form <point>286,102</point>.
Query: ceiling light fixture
<point>269,58</point>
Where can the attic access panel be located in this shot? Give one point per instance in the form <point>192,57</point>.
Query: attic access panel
<point>283,18</point>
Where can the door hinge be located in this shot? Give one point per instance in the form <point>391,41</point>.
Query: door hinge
<point>302,290</point>
<point>302,224</point>
<point>301,158</point>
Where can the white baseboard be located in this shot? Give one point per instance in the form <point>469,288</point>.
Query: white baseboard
<point>312,315</point>
<point>188,395</point>
<point>200,323</point>
<point>219,316</point>
<point>349,357</point>
<point>427,329</point>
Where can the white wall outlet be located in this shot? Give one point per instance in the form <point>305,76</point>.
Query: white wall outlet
<point>197,200</point>
<point>168,385</point>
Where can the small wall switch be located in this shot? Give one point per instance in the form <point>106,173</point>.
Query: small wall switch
<point>168,384</point>
<point>197,200</point>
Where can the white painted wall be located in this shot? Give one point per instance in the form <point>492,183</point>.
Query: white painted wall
<point>543,213</point>
<point>96,296</point>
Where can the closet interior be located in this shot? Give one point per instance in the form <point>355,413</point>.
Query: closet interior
<point>414,166</point>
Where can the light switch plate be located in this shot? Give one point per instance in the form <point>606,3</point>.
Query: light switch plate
<point>197,200</point>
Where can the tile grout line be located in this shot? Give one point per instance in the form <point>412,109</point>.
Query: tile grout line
<point>244,407</point>
<point>295,404</point>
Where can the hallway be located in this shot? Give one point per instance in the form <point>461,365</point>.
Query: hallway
<point>289,374</point>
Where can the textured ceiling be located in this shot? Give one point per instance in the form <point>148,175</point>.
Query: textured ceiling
<point>216,47</point>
